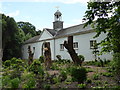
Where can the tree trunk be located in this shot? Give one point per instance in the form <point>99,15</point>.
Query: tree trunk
<point>47,55</point>
<point>30,57</point>
<point>69,46</point>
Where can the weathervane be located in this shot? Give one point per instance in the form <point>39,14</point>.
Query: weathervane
<point>57,7</point>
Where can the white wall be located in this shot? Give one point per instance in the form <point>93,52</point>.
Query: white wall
<point>83,46</point>
<point>38,49</point>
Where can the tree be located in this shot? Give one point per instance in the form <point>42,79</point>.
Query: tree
<point>105,23</point>
<point>12,38</point>
<point>69,46</point>
<point>28,28</point>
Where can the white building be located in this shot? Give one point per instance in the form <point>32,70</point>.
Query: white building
<point>83,41</point>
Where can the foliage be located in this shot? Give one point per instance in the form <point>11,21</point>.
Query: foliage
<point>29,80</point>
<point>95,76</point>
<point>107,74</point>
<point>27,28</point>
<point>36,67</point>
<point>116,65</point>
<point>79,74</point>
<point>63,75</point>
<point>12,38</point>
<point>15,83</point>
<point>41,59</point>
<point>89,80</point>
<point>58,57</point>
<point>105,23</point>
<point>47,87</point>
<point>82,86</point>
<point>81,57</point>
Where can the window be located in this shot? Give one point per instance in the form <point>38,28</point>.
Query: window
<point>33,48</point>
<point>92,44</point>
<point>75,45</point>
<point>61,47</point>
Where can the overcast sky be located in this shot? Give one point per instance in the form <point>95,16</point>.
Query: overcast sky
<point>40,13</point>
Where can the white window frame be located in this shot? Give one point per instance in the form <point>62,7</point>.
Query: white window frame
<point>75,45</point>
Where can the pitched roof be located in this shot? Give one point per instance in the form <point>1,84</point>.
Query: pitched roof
<point>77,29</point>
<point>73,30</point>
<point>51,31</point>
<point>33,39</point>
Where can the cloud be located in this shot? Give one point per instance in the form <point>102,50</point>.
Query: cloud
<point>61,1</point>
<point>13,14</point>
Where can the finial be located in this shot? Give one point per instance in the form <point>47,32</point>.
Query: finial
<point>57,7</point>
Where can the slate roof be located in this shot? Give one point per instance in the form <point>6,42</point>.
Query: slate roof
<point>77,29</point>
<point>33,39</point>
<point>51,31</point>
<point>73,30</point>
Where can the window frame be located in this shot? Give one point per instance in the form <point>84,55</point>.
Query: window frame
<point>61,47</point>
<point>75,45</point>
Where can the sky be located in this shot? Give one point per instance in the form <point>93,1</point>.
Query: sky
<point>40,13</point>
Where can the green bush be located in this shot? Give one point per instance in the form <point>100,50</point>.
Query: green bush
<point>58,57</point>
<point>79,74</point>
<point>28,79</point>
<point>95,76</point>
<point>107,74</point>
<point>41,59</point>
<point>47,87</point>
<point>89,80</point>
<point>15,83</point>
<point>82,86</point>
<point>81,57</point>
<point>116,65</point>
<point>6,81</point>
<point>7,63</point>
<point>63,75</point>
<point>36,67</point>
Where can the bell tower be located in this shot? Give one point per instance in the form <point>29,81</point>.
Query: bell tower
<point>57,24</point>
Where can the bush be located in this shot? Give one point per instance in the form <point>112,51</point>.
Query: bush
<point>82,86</point>
<point>47,87</point>
<point>58,57</point>
<point>7,63</point>
<point>36,67</point>
<point>79,74</point>
<point>15,83</point>
<point>41,59</point>
<point>63,75</point>
<point>28,79</point>
<point>81,57</point>
<point>116,65</point>
<point>96,76</point>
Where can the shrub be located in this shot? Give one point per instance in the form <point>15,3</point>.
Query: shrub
<point>7,63</point>
<point>6,81</point>
<point>89,80</point>
<point>79,74</point>
<point>82,86</point>
<point>15,83</point>
<point>58,57</point>
<point>36,67</point>
<point>47,87</point>
<point>41,59</point>
<point>28,79</point>
<point>81,57</point>
<point>96,76</point>
<point>116,65</point>
<point>108,74</point>
<point>63,75</point>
